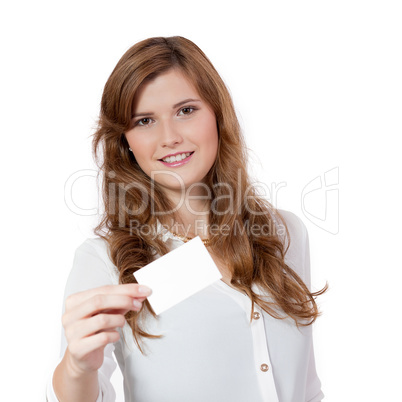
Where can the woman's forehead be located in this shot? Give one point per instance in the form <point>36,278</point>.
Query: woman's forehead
<point>166,88</point>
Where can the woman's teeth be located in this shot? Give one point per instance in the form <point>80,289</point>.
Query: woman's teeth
<point>176,158</point>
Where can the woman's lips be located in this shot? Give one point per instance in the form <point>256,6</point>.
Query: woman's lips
<point>178,163</point>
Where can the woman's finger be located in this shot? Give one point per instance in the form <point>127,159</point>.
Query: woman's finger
<point>79,349</point>
<point>99,303</point>
<point>96,324</point>
<point>129,289</point>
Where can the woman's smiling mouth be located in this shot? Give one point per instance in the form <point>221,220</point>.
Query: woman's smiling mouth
<point>177,159</point>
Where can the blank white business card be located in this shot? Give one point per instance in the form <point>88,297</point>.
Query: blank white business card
<point>178,275</point>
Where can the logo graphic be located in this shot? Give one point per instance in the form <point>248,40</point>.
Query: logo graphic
<point>69,192</point>
<point>320,201</point>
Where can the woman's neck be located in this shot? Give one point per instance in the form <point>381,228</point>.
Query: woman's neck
<point>190,215</point>
<point>189,225</point>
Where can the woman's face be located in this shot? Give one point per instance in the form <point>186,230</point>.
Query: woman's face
<point>174,135</point>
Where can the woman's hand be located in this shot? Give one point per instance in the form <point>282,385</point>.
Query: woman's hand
<point>91,320</point>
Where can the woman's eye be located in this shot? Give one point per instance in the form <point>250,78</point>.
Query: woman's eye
<point>186,110</point>
<point>144,122</point>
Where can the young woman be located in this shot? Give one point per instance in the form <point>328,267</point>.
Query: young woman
<point>174,166</point>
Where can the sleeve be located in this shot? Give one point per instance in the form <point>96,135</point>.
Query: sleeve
<point>313,383</point>
<point>298,258</point>
<point>89,271</point>
<point>298,253</point>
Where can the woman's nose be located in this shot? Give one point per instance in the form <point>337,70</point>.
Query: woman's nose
<point>169,135</point>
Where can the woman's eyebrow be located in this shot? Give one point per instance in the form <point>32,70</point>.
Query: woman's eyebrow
<point>173,107</point>
<point>185,101</point>
<point>142,114</point>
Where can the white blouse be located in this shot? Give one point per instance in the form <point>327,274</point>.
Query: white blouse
<point>210,351</point>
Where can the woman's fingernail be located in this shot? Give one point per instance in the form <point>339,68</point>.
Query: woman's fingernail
<point>144,289</point>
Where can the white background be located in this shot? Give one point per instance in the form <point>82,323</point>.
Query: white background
<point>317,86</point>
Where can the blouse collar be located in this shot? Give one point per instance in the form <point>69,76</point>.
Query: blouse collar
<point>164,233</point>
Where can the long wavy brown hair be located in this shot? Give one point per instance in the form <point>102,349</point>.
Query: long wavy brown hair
<point>132,201</point>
